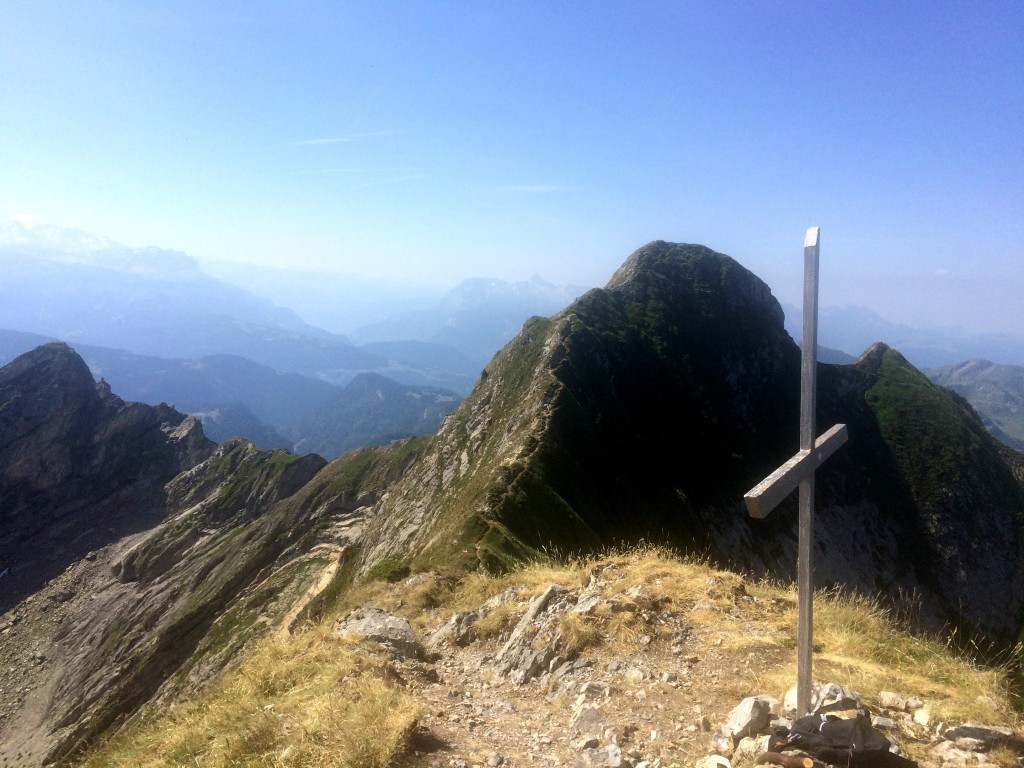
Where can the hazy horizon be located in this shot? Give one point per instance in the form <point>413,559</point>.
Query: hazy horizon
<point>348,305</point>
<point>433,142</point>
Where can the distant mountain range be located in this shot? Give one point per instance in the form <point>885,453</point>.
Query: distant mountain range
<point>995,391</point>
<point>371,410</point>
<point>853,329</point>
<point>161,330</point>
<point>158,329</point>
<point>478,317</point>
<point>338,303</point>
<point>86,290</point>
<point>233,396</point>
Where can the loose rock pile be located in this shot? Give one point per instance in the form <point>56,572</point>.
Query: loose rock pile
<point>525,699</point>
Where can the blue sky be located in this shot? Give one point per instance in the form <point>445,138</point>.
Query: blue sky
<point>435,141</point>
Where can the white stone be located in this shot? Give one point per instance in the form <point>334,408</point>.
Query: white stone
<point>749,748</point>
<point>748,718</point>
<point>587,722</point>
<point>890,700</point>
<point>593,689</point>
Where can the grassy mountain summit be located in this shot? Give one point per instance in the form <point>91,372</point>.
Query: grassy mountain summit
<point>674,643</point>
<point>599,410</point>
<point>646,409</point>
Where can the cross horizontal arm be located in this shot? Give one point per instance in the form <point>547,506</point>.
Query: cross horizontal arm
<point>766,495</point>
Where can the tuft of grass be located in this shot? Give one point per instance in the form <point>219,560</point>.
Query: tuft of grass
<point>863,644</point>
<point>496,622</point>
<point>389,569</point>
<point>309,700</point>
<point>579,633</point>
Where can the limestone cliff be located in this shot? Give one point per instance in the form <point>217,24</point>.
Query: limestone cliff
<point>79,467</point>
<point>140,558</point>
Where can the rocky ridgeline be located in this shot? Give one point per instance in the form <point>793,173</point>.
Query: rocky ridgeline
<point>665,697</point>
<point>647,409</point>
<point>79,466</point>
<point>155,614</point>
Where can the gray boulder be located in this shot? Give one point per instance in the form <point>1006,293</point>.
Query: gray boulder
<point>390,631</point>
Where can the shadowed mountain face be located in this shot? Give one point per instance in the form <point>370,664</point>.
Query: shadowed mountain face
<point>647,409</point>
<point>75,462</point>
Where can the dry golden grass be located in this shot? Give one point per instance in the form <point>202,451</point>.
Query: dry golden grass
<point>496,622</point>
<point>310,700</point>
<point>859,642</point>
<point>580,632</point>
<point>316,700</point>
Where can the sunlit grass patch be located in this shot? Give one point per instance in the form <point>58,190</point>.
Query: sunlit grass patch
<point>309,700</point>
<point>318,700</point>
<point>861,644</point>
<point>579,633</point>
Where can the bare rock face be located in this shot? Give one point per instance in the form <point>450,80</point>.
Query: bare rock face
<point>139,558</point>
<point>78,466</point>
<point>156,618</point>
<point>156,614</point>
<point>387,630</point>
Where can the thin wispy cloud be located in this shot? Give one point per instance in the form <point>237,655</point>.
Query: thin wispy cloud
<point>335,170</point>
<point>345,139</point>
<point>534,189</point>
<point>393,180</point>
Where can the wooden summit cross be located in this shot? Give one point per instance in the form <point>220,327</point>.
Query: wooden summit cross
<point>799,470</point>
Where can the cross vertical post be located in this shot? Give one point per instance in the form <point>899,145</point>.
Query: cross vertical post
<point>808,403</point>
<point>799,470</point>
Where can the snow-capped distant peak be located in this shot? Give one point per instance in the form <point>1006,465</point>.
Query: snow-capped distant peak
<point>75,246</point>
<point>29,231</point>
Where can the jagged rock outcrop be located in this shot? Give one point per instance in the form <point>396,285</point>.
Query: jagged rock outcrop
<point>169,554</point>
<point>184,599</point>
<point>391,632</point>
<point>78,465</point>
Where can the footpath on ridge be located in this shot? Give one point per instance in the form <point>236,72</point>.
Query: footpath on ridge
<point>669,682</point>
